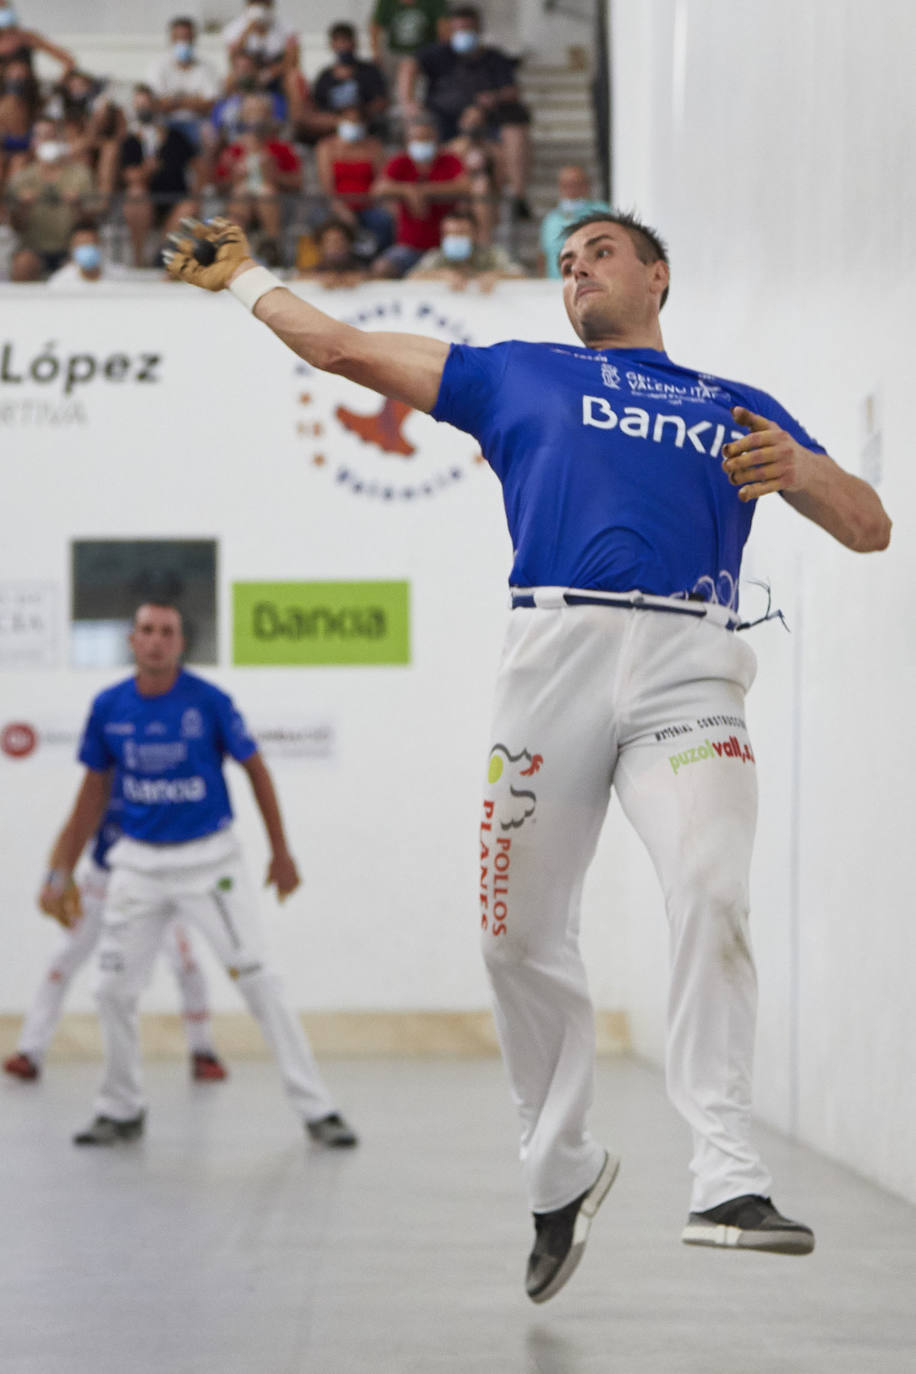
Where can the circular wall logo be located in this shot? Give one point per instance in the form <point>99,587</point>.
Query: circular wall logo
<point>378,447</point>
<point>18,739</point>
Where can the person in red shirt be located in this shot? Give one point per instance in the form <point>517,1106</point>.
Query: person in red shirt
<point>424,182</point>
<point>348,164</point>
<point>257,170</point>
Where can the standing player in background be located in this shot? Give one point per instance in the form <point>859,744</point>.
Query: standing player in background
<point>629,483</point>
<point>84,902</point>
<point>164,733</point>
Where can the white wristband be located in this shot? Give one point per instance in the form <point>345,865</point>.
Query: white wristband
<point>250,286</point>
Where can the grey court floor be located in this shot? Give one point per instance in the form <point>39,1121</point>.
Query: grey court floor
<point>223,1244</point>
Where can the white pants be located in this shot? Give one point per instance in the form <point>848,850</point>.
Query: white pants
<point>44,1013</point>
<point>204,883</point>
<point>653,702</point>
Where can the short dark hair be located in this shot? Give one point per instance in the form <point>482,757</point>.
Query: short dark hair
<point>648,242</point>
<point>186,21</point>
<point>85,226</point>
<point>340,225</point>
<point>465,12</point>
<point>342,30</point>
<point>162,603</point>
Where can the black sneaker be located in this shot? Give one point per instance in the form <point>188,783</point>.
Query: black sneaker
<point>333,1131</point>
<point>104,1130</point>
<point>560,1236</point>
<point>749,1222</point>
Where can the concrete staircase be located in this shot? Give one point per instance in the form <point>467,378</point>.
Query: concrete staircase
<point>562,130</point>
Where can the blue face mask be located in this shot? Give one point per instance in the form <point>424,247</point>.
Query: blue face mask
<point>457,247</point>
<point>464,40</point>
<point>183,52</point>
<point>88,256</point>
<point>573,207</point>
<point>8,19</point>
<point>421,150</point>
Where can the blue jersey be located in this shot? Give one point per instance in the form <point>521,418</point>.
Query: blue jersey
<point>168,755</point>
<point>610,464</point>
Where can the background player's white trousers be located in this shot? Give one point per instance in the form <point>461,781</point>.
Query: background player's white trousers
<point>44,1013</point>
<point>215,895</point>
<point>654,703</point>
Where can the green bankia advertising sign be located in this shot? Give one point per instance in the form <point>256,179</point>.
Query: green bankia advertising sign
<point>297,624</point>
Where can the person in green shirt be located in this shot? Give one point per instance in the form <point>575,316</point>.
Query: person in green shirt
<point>399,28</point>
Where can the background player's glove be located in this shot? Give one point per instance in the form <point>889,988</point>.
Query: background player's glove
<point>60,898</point>
<point>206,254</point>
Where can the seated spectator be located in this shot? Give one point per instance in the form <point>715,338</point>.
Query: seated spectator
<point>464,71</point>
<point>257,170</point>
<point>337,264</point>
<point>20,105</point>
<point>18,44</point>
<point>241,81</point>
<point>482,159</point>
<point>461,258</point>
<point>93,125</point>
<point>575,199</point>
<point>272,45</point>
<point>186,86</point>
<point>350,81</point>
<point>400,28</point>
<point>348,163</point>
<point>46,199</point>
<point>86,265</point>
<point>157,172</point>
<point>424,182</point>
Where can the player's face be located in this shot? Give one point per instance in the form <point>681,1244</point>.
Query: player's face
<point>606,289</point>
<point>157,641</point>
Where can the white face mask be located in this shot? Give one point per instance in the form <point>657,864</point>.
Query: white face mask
<point>573,207</point>
<point>457,247</point>
<point>464,40</point>
<point>350,130</point>
<point>51,150</point>
<point>421,150</point>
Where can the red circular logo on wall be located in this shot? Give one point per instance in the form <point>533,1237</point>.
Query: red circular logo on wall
<point>18,739</point>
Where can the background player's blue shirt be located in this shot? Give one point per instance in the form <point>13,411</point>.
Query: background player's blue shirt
<point>168,751</point>
<point>610,463</point>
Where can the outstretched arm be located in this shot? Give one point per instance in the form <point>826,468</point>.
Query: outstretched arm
<point>282,870</point>
<point>407,367</point>
<point>768,459</point>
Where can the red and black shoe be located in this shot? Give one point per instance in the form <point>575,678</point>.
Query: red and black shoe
<point>21,1066</point>
<point>206,1068</point>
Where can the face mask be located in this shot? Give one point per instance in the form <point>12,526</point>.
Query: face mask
<point>15,87</point>
<point>146,116</point>
<point>8,19</point>
<point>346,56</point>
<point>464,40</point>
<point>51,151</point>
<point>88,256</point>
<point>350,130</point>
<point>247,83</point>
<point>421,150</point>
<point>573,207</point>
<point>457,247</point>
<point>183,52</point>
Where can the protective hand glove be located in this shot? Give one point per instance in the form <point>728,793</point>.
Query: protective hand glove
<point>206,253</point>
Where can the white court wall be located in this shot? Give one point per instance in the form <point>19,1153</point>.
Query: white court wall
<point>774,147</point>
<point>228,440</point>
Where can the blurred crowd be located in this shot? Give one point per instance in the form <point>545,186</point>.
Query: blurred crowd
<point>402,161</point>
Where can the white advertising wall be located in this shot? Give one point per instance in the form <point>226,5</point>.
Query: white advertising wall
<point>166,413</point>
<point>773,146</point>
